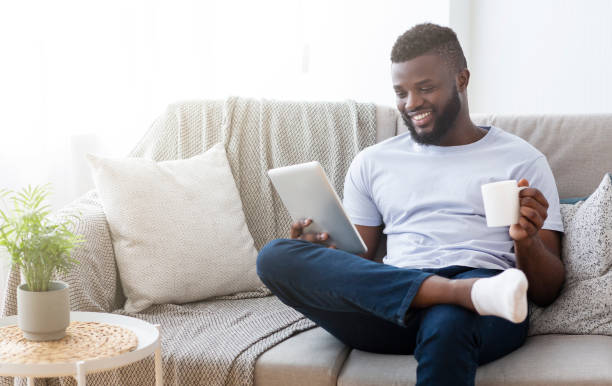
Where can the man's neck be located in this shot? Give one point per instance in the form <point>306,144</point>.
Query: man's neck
<point>463,132</point>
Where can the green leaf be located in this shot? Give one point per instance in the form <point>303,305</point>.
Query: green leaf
<point>37,243</point>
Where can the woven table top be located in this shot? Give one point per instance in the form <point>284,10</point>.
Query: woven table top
<point>83,341</point>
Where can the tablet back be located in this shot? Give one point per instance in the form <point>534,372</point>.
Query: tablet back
<point>307,193</point>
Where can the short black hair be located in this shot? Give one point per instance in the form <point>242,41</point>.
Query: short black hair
<point>429,38</point>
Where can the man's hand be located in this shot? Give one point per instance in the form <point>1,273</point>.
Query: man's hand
<point>533,211</point>
<point>297,232</point>
<point>538,251</point>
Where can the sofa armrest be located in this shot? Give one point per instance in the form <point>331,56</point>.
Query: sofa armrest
<point>94,284</point>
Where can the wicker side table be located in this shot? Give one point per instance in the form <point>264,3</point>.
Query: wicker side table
<point>35,366</point>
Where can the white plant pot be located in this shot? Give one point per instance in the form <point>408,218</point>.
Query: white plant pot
<point>44,315</point>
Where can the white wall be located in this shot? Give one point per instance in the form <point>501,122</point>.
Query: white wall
<point>82,76</point>
<point>545,56</point>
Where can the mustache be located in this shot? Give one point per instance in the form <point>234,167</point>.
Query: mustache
<point>407,120</point>
<point>406,113</point>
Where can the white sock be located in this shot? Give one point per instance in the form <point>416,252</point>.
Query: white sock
<point>503,295</point>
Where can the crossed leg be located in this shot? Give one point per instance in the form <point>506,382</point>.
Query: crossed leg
<point>379,308</point>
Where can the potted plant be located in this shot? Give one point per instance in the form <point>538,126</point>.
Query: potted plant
<point>40,247</point>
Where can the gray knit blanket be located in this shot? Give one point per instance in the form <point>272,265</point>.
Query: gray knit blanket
<point>216,341</point>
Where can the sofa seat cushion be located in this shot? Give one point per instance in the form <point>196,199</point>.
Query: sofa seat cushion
<point>551,360</point>
<point>310,358</point>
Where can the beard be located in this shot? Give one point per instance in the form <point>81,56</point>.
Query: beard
<point>442,124</point>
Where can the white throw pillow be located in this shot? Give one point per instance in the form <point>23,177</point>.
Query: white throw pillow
<point>177,227</point>
<point>584,305</point>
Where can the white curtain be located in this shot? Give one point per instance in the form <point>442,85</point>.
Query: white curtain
<point>80,76</point>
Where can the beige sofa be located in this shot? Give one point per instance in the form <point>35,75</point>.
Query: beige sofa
<point>579,150</point>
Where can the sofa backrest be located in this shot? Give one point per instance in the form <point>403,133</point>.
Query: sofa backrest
<point>261,134</point>
<point>578,147</point>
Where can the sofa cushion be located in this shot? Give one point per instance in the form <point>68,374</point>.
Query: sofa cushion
<point>311,358</point>
<point>386,122</point>
<point>551,360</point>
<point>584,304</point>
<point>177,228</point>
<point>572,200</point>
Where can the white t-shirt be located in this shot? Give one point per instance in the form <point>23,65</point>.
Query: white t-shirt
<point>430,202</point>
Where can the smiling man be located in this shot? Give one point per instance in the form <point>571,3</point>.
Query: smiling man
<point>451,290</point>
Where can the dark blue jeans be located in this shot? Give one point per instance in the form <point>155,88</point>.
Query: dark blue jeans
<point>366,305</point>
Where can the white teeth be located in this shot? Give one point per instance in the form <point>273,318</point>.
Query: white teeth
<point>421,116</point>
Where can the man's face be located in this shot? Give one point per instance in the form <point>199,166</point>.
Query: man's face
<point>426,96</point>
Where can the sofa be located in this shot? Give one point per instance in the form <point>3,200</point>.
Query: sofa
<point>578,151</point>
<point>577,147</point>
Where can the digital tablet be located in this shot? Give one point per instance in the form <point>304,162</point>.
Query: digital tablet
<point>306,192</point>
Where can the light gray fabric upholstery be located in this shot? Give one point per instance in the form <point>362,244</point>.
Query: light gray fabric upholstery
<point>263,134</point>
<point>386,122</point>
<point>313,357</point>
<point>546,360</point>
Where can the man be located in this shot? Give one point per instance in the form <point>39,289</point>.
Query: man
<point>451,291</point>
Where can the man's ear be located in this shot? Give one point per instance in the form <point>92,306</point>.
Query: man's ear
<point>462,79</point>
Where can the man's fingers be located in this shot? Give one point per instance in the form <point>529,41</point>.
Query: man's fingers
<point>528,226</point>
<point>311,237</point>
<point>532,215</point>
<point>297,232</point>
<point>315,237</point>
<point>297,228</point>
<point>517,232</point>
<point>534,194</point>
<point>530,202</point>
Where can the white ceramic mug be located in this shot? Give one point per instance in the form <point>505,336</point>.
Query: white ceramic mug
<point>501,202</point>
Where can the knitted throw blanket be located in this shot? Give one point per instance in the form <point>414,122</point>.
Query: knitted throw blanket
<point>217,341</point>
<point>260,135</point>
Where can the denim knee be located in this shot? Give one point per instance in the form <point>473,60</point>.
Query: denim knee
<point>447,346</point>
<point>445,325</point>
<point>272,259</point>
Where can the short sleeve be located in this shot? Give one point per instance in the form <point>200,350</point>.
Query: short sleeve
<point>540,176</point>
<point>358,201</point>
